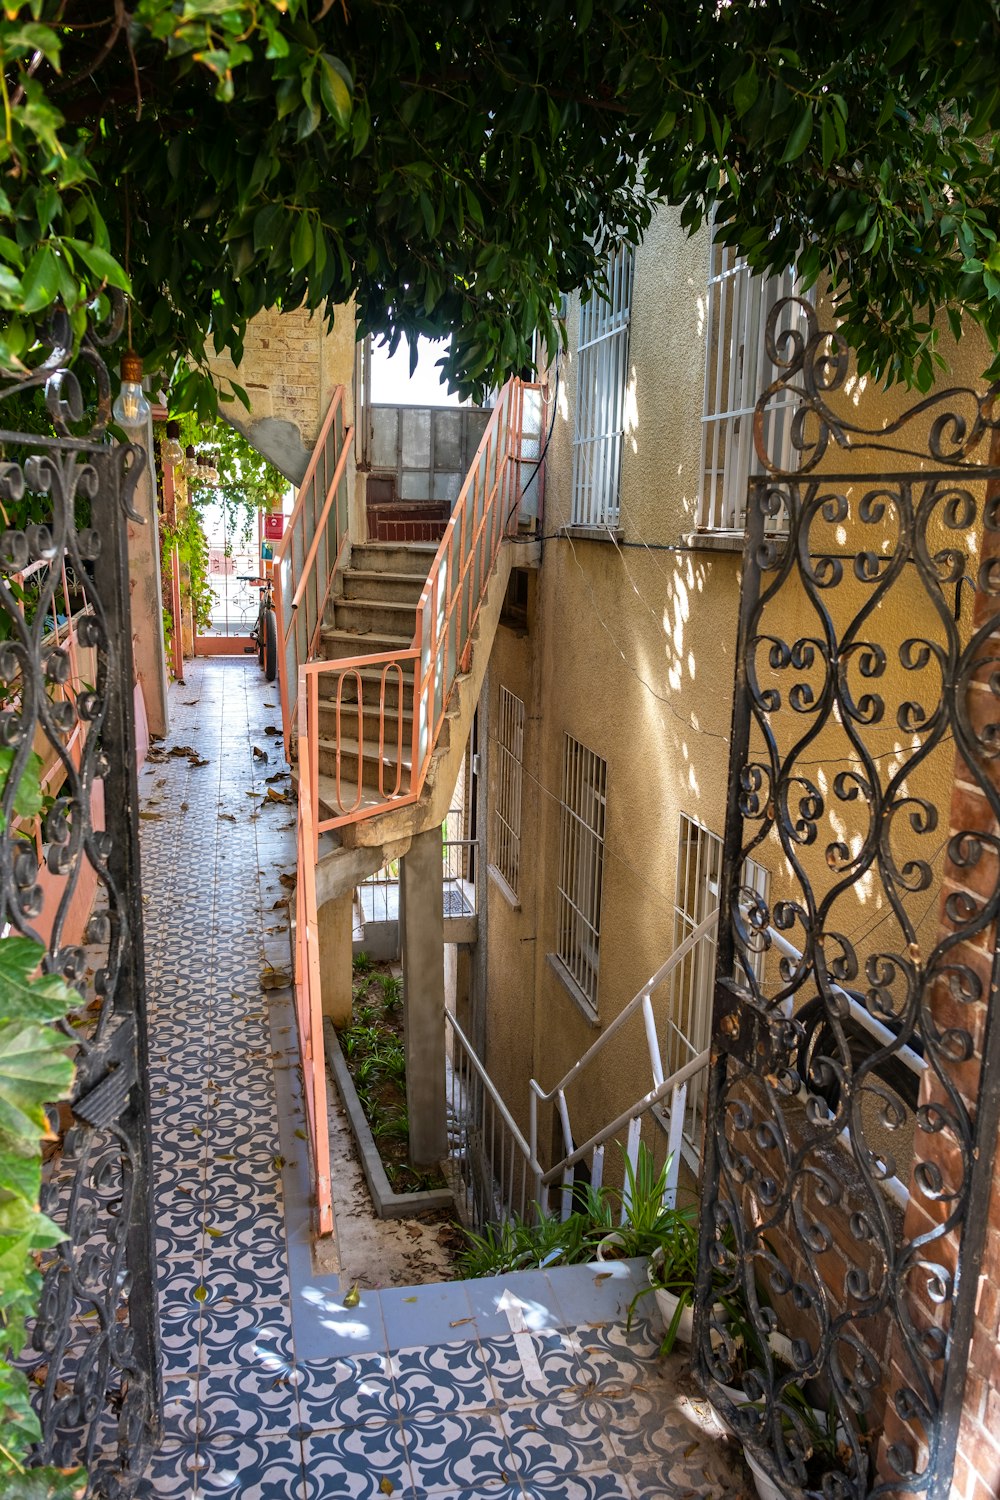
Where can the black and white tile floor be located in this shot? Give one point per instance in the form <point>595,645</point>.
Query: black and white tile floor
<point>528,1386</point>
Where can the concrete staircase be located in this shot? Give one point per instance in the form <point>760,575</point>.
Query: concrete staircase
<point>375,612</point>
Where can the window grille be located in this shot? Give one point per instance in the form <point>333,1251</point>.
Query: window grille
<point>506,832</point>
<point>602,380</point>
<point>737,371</point>
<point>699,875</point>
<point>581,865</point>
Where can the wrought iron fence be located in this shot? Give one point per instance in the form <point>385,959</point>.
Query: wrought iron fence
<point>65,494</point>
<point>855,1052</point>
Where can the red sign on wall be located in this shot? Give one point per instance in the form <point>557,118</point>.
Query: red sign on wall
<point>274,526</point>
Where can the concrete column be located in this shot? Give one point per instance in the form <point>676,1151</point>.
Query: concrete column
<point>147,597</point>
<point>335,925</point>
<point>421,925</point>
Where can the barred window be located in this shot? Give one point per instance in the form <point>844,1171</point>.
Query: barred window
<point>505,838</point>
<point>737,371</point>
<point>581,866</point>
<point>601,384</point>
<point>699,879</point>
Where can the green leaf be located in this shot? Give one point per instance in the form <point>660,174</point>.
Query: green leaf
<point>302,243</point>
<point>800,136</point>
<point>43,998</point>
<point>40,282</point>
<point>745,90</point>
<point>28,796</point>
<point>34,1070</point>
<point>335,89</point>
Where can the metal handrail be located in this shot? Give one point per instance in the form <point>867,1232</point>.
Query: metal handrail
<point>675,1085</point>
<point>300,598</point>
<point>493,1091</point>
<point>485,512</point>
<point>308,1000</point>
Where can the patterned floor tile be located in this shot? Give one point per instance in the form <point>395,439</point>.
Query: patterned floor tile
<point>549,1439</point>
<point>442,1378</point>
<point>247,1403</point>
<point>531,1365</point>
<point>250,1468</point>
<point>357,1463</point>
<point>346,1392</point>
<point>458,1451</point>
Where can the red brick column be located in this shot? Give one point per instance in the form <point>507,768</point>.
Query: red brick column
<point>977,1464</point>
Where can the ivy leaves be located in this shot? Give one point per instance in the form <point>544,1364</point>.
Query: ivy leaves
<point>35,1070</point>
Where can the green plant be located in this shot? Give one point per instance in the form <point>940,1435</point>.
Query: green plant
<point>35,1070</point>
<point>362,963</point>
<point>392,991</point>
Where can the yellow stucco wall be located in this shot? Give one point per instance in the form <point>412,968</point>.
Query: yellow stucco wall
<point>632,652</point>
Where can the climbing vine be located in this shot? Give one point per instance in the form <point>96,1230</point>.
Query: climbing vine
<point>36,1069</point>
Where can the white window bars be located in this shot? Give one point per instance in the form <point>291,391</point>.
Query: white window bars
<point>699,875</point>
<point>581,866</point>
<point>737,371</point>
<point>601,385</point>
<point>505,839</point>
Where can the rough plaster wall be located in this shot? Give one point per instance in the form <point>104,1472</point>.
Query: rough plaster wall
<point>633,653</point>
<point>290,366</point>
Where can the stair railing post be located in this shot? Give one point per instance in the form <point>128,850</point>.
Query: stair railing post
<point>675,1140</point>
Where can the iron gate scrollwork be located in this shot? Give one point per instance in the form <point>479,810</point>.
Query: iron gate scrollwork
<point>66,694</point>
<point>848,1154</point>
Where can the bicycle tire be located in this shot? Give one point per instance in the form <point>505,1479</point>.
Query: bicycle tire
<point>258,635</point>
<point>269,649</point>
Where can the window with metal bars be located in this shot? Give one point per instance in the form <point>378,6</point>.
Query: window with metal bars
<point>601,385</point>
<point>505,839</point>
<point>699,876</point>
<point>737,371</point>
<point>581,866</point>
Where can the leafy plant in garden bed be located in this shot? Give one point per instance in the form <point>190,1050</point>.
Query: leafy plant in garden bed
<point>36,1069</point>
<point>373,1051</point>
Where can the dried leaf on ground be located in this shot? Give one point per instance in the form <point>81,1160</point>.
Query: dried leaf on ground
<point>258,753</point>
<point>226,818</point>
<point>275,979</point>
<point>274,796</point>
<point>288,881</point>
<point>149,817</point>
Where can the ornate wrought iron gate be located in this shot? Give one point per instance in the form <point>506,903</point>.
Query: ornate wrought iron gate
<point>66,693</point>
<point>849,1154</point>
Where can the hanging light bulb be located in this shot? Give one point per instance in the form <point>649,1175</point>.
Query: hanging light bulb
<point>190,462</point>
<point>173,453</point>
<point>213,473</point>
<point>131,409</point>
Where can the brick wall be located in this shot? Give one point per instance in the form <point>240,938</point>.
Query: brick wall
<point>962,1002</point>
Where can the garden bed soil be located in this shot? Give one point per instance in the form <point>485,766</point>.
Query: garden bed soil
<point>373,1052</point>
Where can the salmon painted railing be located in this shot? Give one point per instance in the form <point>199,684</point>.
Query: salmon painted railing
<point>310,553</point>
<point>372,778</point>
<point>308,1003</point>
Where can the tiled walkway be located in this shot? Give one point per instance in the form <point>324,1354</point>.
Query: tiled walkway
<point>527,1386</point>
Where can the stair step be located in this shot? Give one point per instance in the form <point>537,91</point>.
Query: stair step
<point>393,557</point>
<point>370,716</point>
<point>337,642</point>
<point>371,687</point>
<point>383,587</point>
<point>326,787</point>
<point>380,615</point>
<point>390,771</point>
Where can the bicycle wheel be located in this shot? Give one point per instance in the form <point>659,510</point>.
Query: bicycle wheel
<point>269,647</point>
<point>258,635</point>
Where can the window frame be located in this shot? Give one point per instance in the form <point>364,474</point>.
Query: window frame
<point>580,882</point>
<point>737,307</point>
<point>507,790</point>
<point>602,350</point>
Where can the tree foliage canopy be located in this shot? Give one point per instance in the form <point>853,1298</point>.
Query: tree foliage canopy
<point>457,165</point>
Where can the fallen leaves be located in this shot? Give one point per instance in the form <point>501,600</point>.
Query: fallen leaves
<point>275,979</point>
<point>258,753</point>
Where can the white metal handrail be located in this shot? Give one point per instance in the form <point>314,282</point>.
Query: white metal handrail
<point>675,1085</point>
<point>493,1159</point>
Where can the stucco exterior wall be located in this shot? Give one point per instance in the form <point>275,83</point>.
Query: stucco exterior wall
<point>632,652</point>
